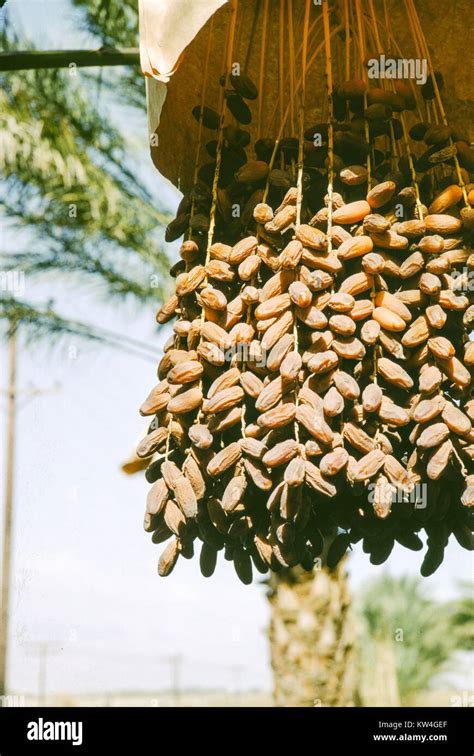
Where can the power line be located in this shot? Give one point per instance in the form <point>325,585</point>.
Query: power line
<point>134,352</point>
<point>118,341</point>
<point>125,339</point>
<point>126,344</point>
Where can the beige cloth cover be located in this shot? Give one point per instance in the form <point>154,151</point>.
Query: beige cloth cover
<point>166,28</point>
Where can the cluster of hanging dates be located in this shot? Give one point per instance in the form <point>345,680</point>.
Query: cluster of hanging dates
<point>316,389</point>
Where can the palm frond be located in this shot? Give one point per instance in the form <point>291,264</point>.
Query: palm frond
<point>398,612</point>
<point>71,188</point>
<point>116,24</point>
<point>463,616</point>
<point>68,180</point>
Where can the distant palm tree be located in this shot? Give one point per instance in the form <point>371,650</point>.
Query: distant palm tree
<point>406,639</point>
<point>463,616</point>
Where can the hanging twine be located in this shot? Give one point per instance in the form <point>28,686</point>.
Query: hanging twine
<point>416,20</point>
<point>263,49</point>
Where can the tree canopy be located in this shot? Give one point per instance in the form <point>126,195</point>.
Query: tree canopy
<point>72,198</point>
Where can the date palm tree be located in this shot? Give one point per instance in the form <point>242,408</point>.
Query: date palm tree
<point>407,638</point>
<point>312,638</point>
<point>463,616</point>
<point>68,181</point>
<point>310,633</point>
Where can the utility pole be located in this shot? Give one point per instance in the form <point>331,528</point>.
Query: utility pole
<point>175,663</point>
<point>43,650</point>
<point>8,507</point>
<point>236,673</point>
<point>12,395</point>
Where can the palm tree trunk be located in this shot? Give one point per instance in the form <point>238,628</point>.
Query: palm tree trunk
<point>312,637</point>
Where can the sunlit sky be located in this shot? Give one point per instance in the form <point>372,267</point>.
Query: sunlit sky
<point>84,571</point>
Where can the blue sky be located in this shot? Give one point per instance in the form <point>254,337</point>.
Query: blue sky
<point>84,571</point>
